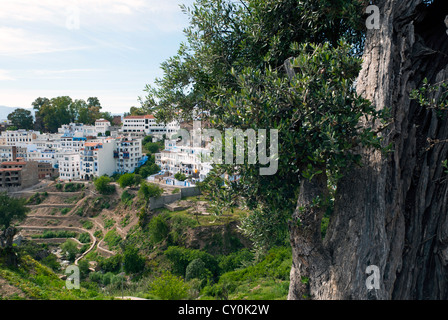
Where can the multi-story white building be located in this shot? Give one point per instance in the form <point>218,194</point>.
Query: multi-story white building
<point>177,157</point>
<point>41,155</point>
<point>128,154</point>
<point>19,137</point>
<point>82,130</point>
<point>97,159</point>
<point>69,166</point>
<point>147,125</point>
<point>71,143</point>
<point>101,126</point>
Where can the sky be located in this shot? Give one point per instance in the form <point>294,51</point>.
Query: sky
<point>108,49</point>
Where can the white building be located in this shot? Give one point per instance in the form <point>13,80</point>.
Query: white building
<point>69,166</point>
<point>19,137</point>
<point>147,125</point>
<point>128,154</point>
<point>97,159</point>
<point>101,126</point>
<point>185,159</point>
<point>71,143</point>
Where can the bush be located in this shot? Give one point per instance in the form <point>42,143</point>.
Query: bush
<point>126,198</point>
<point>158,229</point>
<point>169,287</point>
<point>84,237</point>
<point>182,257</point>
<point>98,234</point>
<point>133,262</point>
<point>55,234</point>
<point>70,249</point>
<point>103,186</point>
<point>112,238</point>
<point>147,139</point>
<point>37,198</point>
<point>65,211</point>
<point>126,180</point>
<point>58,186</point>
<point>109,223</point>
<point>112,264</point>
<point>196,270</point>
<point>234,260</point>
<point>149,190</point>
<point>51,261</point>
<point>176,190</point>
<point>87,224</point>
<point>73,187</point>
<point>83,268</point>
<point>180,176</point>
<point>153,147</point>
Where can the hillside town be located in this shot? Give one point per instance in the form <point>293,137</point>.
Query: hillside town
<point>85,152</point>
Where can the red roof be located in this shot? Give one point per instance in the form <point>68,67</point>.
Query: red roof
<point>10,163</point>
<point>92,144</point>
<point>148,116</point>
<point>10,169</point>
<point>102,120</point>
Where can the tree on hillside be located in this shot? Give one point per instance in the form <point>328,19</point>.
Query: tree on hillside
<point>103,186</point>
<point>21,118</point>
<point>56,113</point>
<point>37,105</point>
<point>11,210</point>
<point>292,66</point>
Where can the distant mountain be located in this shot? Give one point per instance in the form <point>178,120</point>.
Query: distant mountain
<point>4,111</point>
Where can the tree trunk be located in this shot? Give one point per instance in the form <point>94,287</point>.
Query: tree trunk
<point>6,245</point>
<point>392,212</point>
<point>310,260</point>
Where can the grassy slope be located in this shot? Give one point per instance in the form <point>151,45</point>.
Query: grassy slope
<point>36,281</point>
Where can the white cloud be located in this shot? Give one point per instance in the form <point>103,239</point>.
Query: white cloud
<point>18,41</point>
<point>5,75</point>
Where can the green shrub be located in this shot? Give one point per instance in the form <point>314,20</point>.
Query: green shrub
<point>37,198</point>
<point>125,221</point>
<point>73,187</point>
<point>103,186</point>
<point>59,186</point>
<point>65,211</point>
<point>109,223</point>
<point>112,264</point>
<point>149,190</point>
<point>126,198</point>
<point>158,229</point>
<point>80,212</point>
<point>176,190</point>
<point>181,257</point>
<point>196,269</point>
<point>180,176</point>
<point>112,238</point>
<point>98,234</point>
<point>55,234</point>
<point>84,237</point>
<point>126,180</point>
<point>70,249</point>
<point>51,261</point>
<point>83,268</point>
<point>87,224</point>
<point>133,261</point>
<point>169,287</point>
<point>234,260</point>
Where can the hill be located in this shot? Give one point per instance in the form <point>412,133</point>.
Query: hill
<point>32,280</point>
<point>179,252</point>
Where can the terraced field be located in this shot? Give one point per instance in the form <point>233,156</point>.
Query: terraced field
<point>76,212</point>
